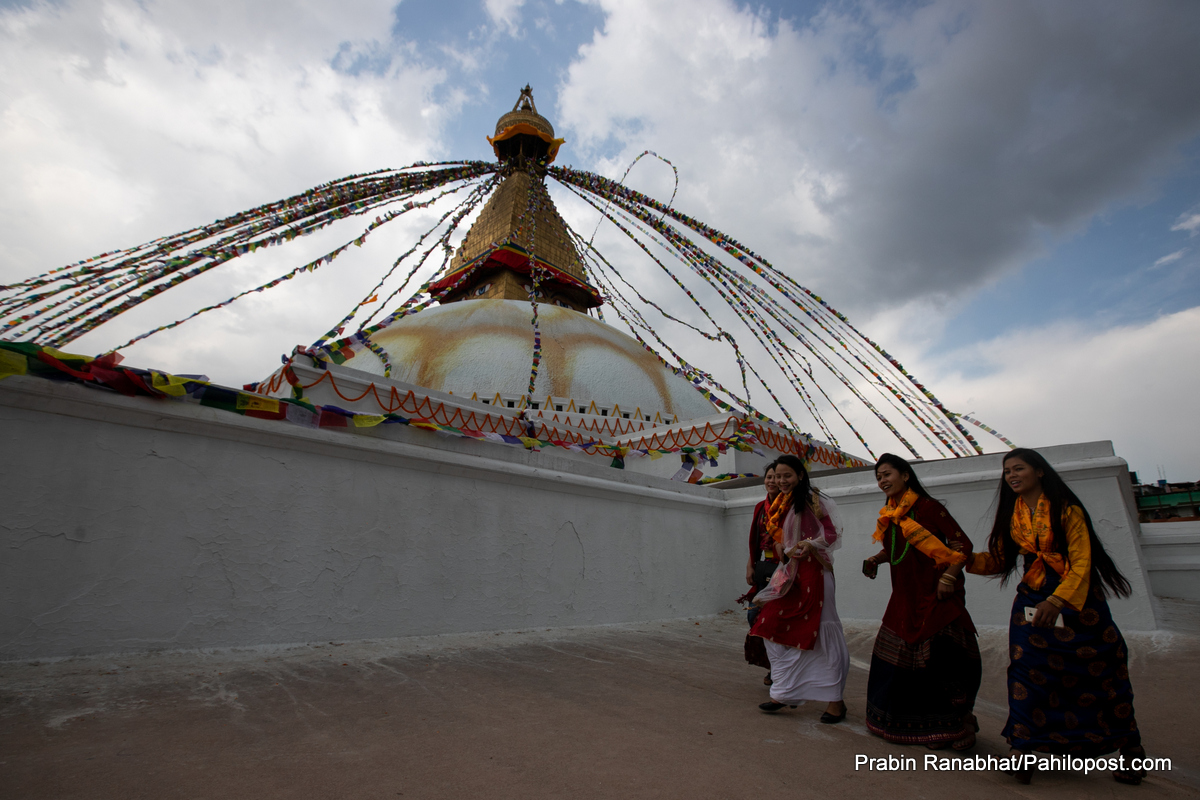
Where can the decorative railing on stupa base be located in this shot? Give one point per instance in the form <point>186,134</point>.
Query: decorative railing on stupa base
<point>610,436</point>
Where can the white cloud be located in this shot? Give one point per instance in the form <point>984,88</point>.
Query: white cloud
<point>125,121</point>
<point>897,161</point>
<point>1128,384</point>
<point>504,13</point>
<point>892,162</point>
<point>1170,257</point>
<point>1189,222</point>
<point>883,156</point>
<point>142,120</point>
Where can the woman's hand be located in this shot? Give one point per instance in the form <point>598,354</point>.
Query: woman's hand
<point>1046,614</point>
<point>750,574</point>
<point>948,582</point>
<point>870,567</point>
<point>801,550</point>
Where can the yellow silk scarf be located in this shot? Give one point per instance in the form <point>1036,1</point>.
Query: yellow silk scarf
<point>896,513</point>
<point>1032,534</point>
<point>776,514</point>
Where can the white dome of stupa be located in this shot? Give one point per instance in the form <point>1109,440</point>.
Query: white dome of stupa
<point>484,348</point>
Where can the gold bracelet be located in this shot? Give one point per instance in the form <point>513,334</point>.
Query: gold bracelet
<point>1056,602</point>
<point>947,579</point>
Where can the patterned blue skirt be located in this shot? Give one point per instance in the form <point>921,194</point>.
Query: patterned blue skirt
<point>1068,687</point>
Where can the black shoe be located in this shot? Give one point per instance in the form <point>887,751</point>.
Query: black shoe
<point>1023,774</point>
<point>772,707</point>
<point>767,680</point>
<point>830,719</point>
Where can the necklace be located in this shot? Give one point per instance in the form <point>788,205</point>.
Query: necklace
<point>892,555</point>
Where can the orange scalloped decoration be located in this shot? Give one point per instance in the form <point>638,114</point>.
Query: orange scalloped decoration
<point>525,127</point>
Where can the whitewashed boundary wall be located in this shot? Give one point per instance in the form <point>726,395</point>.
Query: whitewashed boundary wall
<point>1172,552</point>
<point>131,524</point>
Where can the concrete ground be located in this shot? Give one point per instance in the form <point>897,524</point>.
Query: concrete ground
<point>662,710</point>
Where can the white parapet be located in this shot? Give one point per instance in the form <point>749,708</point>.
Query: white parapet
<point>136,524</point>
<point>1173,558</point>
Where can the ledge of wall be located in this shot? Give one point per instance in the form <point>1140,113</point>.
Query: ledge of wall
<point>1172,551</point>
<point>132,524</point>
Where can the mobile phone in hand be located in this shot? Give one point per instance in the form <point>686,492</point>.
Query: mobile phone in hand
<point>1030,611</point>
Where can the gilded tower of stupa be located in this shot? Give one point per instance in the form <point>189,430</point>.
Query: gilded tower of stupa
<point>519,226</point>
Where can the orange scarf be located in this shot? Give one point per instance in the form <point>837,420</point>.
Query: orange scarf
<point>776,514</point>
<point>779,509</point>
<point>1033,534</point>
<point>896,513</point>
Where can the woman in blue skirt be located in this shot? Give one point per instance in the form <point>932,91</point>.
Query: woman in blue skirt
<point>1068,674</point>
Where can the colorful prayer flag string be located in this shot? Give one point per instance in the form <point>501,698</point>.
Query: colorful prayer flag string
<point>797,330</point>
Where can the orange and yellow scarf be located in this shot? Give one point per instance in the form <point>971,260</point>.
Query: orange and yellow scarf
<point>776,514</point>
<point>896,513</point>
<point>1033,534</point>
<point>780,506</point>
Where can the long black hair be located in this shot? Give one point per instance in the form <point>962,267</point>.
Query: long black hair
<point>903,467</point>
<point>1004,549</point>
<point>802,494</point>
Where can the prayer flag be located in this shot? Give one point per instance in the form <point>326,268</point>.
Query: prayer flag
<point>299,415</point>
<point>11,364</point>
<point>250,402</point>
<point>332,419</point>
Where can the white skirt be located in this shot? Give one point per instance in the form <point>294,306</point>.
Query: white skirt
<point>817,674</point>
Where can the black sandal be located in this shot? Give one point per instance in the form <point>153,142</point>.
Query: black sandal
<point>1129,775</point>
<point>767,680</point>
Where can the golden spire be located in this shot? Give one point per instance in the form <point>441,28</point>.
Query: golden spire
<point>519,219</point>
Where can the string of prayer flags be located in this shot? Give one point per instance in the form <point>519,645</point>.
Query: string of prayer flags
<point>808,342</point>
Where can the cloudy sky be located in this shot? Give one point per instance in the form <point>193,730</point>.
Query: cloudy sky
<point>1007,195</point>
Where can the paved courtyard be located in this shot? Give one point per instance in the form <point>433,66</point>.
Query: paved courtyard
<point>661,710</point>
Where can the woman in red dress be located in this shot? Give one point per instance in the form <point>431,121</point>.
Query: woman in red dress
<point>799,621</point>
<point>759,569</point>
<point>925,668</point>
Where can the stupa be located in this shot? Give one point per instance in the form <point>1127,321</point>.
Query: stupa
<point>465,362</point>
<point>477,342</point>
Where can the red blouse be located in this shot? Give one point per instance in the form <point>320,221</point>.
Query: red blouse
<point>914,613</point>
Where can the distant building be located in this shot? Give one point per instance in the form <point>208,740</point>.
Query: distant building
<point>1164,502</point>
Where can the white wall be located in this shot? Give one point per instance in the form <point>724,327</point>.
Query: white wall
<point>1172,553</point>
<point>133,524</point>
